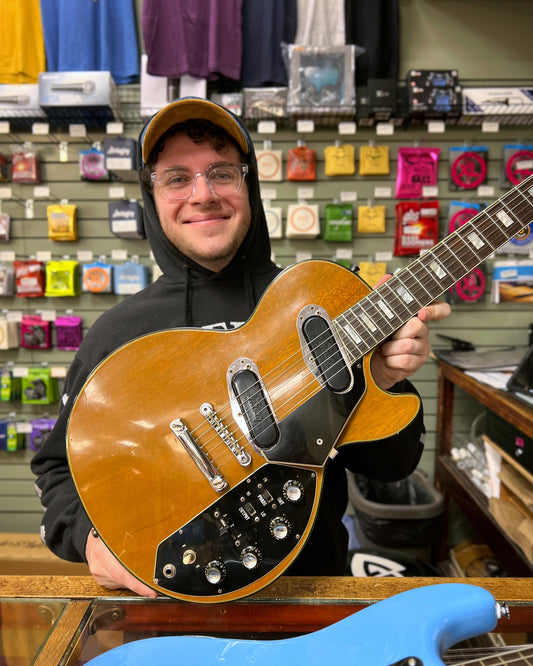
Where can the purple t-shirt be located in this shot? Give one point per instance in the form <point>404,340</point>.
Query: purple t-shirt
<point>201,38</point>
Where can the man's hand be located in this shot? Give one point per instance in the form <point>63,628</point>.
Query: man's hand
<point>406,351</point>
<point>108,571</point>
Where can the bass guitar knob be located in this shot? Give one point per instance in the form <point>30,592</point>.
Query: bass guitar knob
<point>215,572</point>
<point>251,557</point>
<point>280,528</point>
<point>293,491</point>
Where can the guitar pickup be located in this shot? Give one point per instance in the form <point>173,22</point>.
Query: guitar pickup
<point>253,411</point>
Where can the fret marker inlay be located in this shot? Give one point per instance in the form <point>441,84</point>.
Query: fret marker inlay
<point>404,295</point>
<point>388,312</point>
<point>475,240</point>
<point>351,332</point>
<point>368,322</point>
<point>437,269</point>
<point>503,217</point>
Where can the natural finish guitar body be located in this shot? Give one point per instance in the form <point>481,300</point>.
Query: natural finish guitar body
<point>144,488</point>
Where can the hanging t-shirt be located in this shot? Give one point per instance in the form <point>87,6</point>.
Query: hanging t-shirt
<point>375,27</point>
<point>22,55</point>
<point>91,35</point>
<point>320,23</point>
<point>201,39</point>
<point>265,25</point>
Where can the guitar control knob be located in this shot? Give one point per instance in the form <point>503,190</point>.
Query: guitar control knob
<point>251,557</point>
<point>280,528</point>
<point>215,572</point>
<point>293,491</point>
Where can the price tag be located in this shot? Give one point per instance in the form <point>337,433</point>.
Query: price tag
<point>41,192</point>
<point>43,255</point>
<point>383,256</point>
<point>490,126</point>
<point>85,256</point>
<point>117,193</point>
<point>15,315</point>
<point>303,256</point>
<point>24,428</point>
<point>266,127</point>
<point>40,129</point>
<point>344,253</point>
<point>119,255</point>
<point>48,315</point>
<point>384,129</point>
<point>4,127</point>
<point>485,191</point>
<point>436,127</point>
<point>305,126</point>
<point>5,193</point>
<point>382,192</point>
<point>430,191</point>
<point>350,195</point>
<point>306,193</point>
<point>20,372</point>
<point>115,128</point>
<point>269,193</point>
<point>346,128</point>
<point>59,372</point>
<point>77,130</point>
<point>8,255</point>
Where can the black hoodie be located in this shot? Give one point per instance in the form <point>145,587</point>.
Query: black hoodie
<point>188,295</point>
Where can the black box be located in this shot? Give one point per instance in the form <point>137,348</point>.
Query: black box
<point>511,440</point>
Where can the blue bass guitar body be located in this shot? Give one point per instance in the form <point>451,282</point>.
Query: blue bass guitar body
<point>413,628</point>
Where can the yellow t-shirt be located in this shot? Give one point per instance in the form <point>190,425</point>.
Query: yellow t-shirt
<point>22,55</point>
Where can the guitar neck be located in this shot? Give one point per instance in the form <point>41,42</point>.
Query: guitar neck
<point>522,656</point>
<point>372,319</point>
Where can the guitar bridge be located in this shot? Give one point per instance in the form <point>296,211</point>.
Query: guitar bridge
<point>216,480</point>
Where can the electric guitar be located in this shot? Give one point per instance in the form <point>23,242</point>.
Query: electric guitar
<point>199,455</point>
<point>413,628</point>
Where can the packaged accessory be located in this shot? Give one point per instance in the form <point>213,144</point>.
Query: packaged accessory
<point>274,221</point>
<point>460,212</point>
<point>68,332</point>
<point>301,163</point>
<point>97,278</point>
<point>125,219</point>
<point>40,429</point>
<point>10,387</point>
<point>121,157</point>
<point>374,160</point>
<point>338,222</point>
<point>5,227</point>
<point>62,278</point>
<point>417,168</point>
<point>517,164</point>
<point>269,163</point>
<point>10,438</point>
<point>302,221</point>
<point>29,278</point>
<point>39,387</point>
<point>417,226</point>
<point>129,278</point>
<point>371,271</point>
<point>339,160</point>
<point>62,222</point>
<point>371,219</point>
<point>468,167</point>
<point>35,333</point>
<point>92,164</point>
<point>7,280</point>
<point>9,335</point>
<point>25,164</point>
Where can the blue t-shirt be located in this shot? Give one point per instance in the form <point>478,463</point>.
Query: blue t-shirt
<point>91,35</point>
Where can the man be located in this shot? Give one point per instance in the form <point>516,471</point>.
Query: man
<point>207,229</point>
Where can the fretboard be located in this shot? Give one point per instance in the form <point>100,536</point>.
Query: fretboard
<point>519,657</point>
<point>372,319</point>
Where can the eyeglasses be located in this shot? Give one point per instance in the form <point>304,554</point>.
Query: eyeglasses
<point>178,183</point>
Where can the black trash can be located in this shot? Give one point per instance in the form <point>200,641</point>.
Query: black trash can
<point>402,515</point>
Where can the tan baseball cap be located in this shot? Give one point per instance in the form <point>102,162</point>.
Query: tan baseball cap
<point>191,108</point>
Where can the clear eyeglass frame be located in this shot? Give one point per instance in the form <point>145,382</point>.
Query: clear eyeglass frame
<point>222,179</point>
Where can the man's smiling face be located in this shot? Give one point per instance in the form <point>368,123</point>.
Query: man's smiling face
<point>206,227</point>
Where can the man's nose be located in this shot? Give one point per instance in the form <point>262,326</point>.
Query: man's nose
<point>201,188</point>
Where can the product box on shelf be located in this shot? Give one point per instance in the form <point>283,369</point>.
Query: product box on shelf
<point>19,104</point>
<point>265,103</point>
<point>88,97</point>
<point>434,95</point>
<point>508,105</point>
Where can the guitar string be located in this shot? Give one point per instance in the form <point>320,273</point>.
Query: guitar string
<point>517,657</point>
<point>444,244</point>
